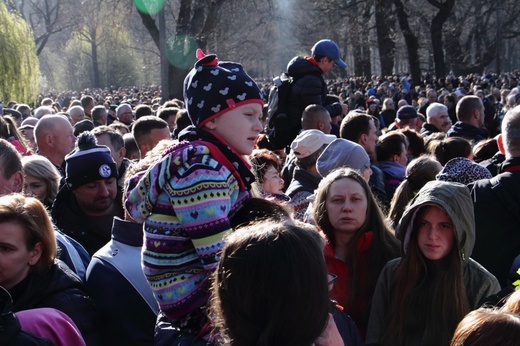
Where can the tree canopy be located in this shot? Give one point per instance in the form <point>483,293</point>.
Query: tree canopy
<point>19,66</point>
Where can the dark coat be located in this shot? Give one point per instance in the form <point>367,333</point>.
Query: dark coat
<point>11,333</point>
<point>308,88</point>
<point>125,317</point>
<point>59,288</point>
<point>428,129</point>
<point>470,132</point>
<point>70,219</point>
<point>497,219</point>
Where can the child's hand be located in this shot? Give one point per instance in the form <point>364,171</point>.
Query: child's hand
<point>330,335</point>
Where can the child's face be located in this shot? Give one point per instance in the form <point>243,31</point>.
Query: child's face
<point>239,127</point>
<point>272,182</point>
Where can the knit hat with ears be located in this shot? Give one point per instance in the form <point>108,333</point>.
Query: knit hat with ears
<point>213,88</point>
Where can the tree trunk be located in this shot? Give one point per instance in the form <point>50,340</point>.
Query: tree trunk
<point>436,34</point>
<point>453,48</point>
<point>412,44</point>
<point>385,39</point>
<point>95,62</point>
<point>192,24</point>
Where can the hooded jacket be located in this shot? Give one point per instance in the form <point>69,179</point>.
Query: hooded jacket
<point>455,200</point>
<point>308,88</point>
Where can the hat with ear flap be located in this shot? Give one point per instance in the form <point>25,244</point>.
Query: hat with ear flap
<point>213,88</point>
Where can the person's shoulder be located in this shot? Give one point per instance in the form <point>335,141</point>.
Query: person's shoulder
<point>393,264</point>
<point>473,267</point>
<point>299,68</point>
<point>60,288</point>
<point>479,282</point>
<point>184,156</point>
<point>64,276</point>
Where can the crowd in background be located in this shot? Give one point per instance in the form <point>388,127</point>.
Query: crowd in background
<point>401,184</point>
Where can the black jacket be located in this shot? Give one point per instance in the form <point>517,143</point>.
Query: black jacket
<point>303,180</point>
<point>70,219</point>
<point>470,132</point>
<point>59,288</point>
<point>308,88</point>
<point>497,219</point>
<point>428,129</point>
<point>11,333</point>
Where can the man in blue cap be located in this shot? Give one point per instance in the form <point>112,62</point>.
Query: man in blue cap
<point>308,86</point>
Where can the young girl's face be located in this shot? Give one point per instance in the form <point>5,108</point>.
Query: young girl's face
<point>272,182</point>
<point>239,127</point>
<point>436,234</point>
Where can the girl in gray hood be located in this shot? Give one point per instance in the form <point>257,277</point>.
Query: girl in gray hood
<point>422,296</point>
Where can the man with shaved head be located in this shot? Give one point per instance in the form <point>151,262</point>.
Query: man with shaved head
<point>42,111</point>
<point>54,138</point>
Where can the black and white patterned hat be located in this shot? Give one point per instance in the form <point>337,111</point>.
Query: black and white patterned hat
<point>213,88</point>
<point>464,171</point>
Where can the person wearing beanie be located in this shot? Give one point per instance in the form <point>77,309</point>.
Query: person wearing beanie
<point>309,86</point>
<point>407,117</point>
<point>187,197</point>
<point>462,170</point>
<point>86,204</point>
<point>339,153</point>
<point>344,153</point>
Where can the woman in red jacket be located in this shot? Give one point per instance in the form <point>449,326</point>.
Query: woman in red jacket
<point>359,241</point>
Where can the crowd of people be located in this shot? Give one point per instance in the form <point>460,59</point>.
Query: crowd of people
<point>390,218</point>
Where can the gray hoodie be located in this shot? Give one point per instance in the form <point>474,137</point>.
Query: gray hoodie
<point>455,200</point>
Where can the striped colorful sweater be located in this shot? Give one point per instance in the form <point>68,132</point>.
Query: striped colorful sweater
<point>185,201</point>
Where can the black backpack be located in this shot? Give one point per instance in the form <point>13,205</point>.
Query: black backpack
<point>279,126</point>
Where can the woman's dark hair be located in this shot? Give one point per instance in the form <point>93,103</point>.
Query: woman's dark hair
<point>415,142</point>
<point>418,172</point>
<point>258,209</point>
<point>452,98</point>
<point>427,297</point>
<point>484,150</point>
<point>384,247</point>
<point>391,144</point>
<point>270,286</point>
<point>451,148</point>
<point>182,121</point>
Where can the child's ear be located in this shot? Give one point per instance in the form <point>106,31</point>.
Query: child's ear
<point>210,125</point>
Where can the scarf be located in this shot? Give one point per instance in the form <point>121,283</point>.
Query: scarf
<point>223,153</point>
